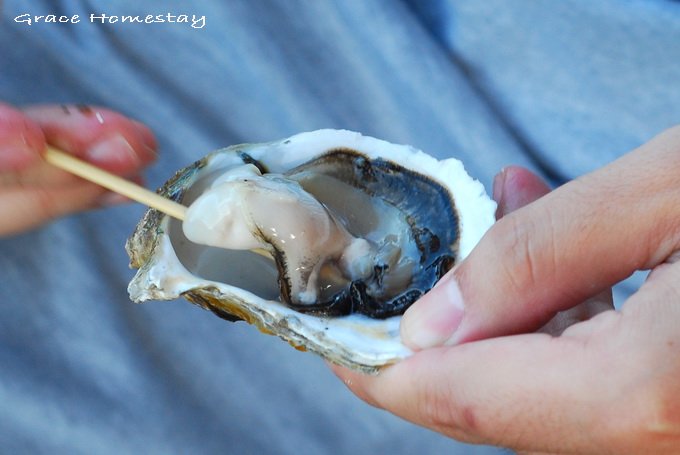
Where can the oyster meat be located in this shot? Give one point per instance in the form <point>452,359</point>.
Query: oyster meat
<point>324,239</point>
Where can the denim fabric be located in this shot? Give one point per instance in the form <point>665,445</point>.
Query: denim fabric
<point>559,87</point>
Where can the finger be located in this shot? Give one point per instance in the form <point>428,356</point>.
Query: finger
<point>503,391</point>
<point>514,187</point>
<point>604,301</point>
<point>559,251</point>
<point>21,140</point>
<point>103,137</point>
<point>428,322</point>
<point>608,385</point>
<point>32,206</point>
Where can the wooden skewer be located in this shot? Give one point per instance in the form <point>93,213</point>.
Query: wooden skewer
<point>114,183</point>
<point>119,185</point>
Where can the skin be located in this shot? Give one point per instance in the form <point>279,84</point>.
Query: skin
<point>33,192</point>
<point>606,384</point>
<point>609,382</point>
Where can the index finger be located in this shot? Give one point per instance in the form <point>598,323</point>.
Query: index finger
<point>101,136</point>
<point>559,251</point>
<point>526,392</point>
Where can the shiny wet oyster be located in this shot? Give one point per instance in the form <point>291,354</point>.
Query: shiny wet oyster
<point>323,239</point>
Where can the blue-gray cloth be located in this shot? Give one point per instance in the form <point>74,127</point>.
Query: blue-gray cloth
<point>560,87</point>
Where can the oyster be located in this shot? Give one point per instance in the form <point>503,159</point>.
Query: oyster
<point>356,229</point>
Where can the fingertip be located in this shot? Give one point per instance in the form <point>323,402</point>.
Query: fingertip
<point>515,187</point>
<point>443,316</point>
<point>498,184</point>
<point>434,318</point>
<point>110,199</point>
<point>343,373</point>
<point>149,150</point>
<point>358,383</point>
<point>520,187</point>
<point>21,140</point>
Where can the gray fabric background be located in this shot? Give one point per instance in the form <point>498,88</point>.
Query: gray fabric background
<point>560,87</point>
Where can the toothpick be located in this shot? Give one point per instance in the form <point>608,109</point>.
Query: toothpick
<point>114,183</point>
<point>119,185</point>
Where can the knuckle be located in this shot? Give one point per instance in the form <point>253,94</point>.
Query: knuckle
<point>528,249</point>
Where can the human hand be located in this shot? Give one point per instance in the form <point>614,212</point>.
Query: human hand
<point>33,192</point>
<point>605,385</point>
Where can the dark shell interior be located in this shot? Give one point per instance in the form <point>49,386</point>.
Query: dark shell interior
<point>426,206</point>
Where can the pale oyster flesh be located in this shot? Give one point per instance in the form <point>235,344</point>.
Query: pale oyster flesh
<point>241,284</point>
<point>348,234</point>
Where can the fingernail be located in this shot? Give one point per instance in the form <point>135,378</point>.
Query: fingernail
<point>433,319</point>
<point>498,187</point>
<point>147,135</point>
<point>114,148</point>
<point>498,181</point>
<point>150,152</point>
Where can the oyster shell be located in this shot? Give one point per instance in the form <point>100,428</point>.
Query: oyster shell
<point>445,213</point>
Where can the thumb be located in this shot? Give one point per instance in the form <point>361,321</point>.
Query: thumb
<point>557,251</point>
<point>432,320</point>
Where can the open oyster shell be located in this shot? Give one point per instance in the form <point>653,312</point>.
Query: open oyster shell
<point>242,285</point>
